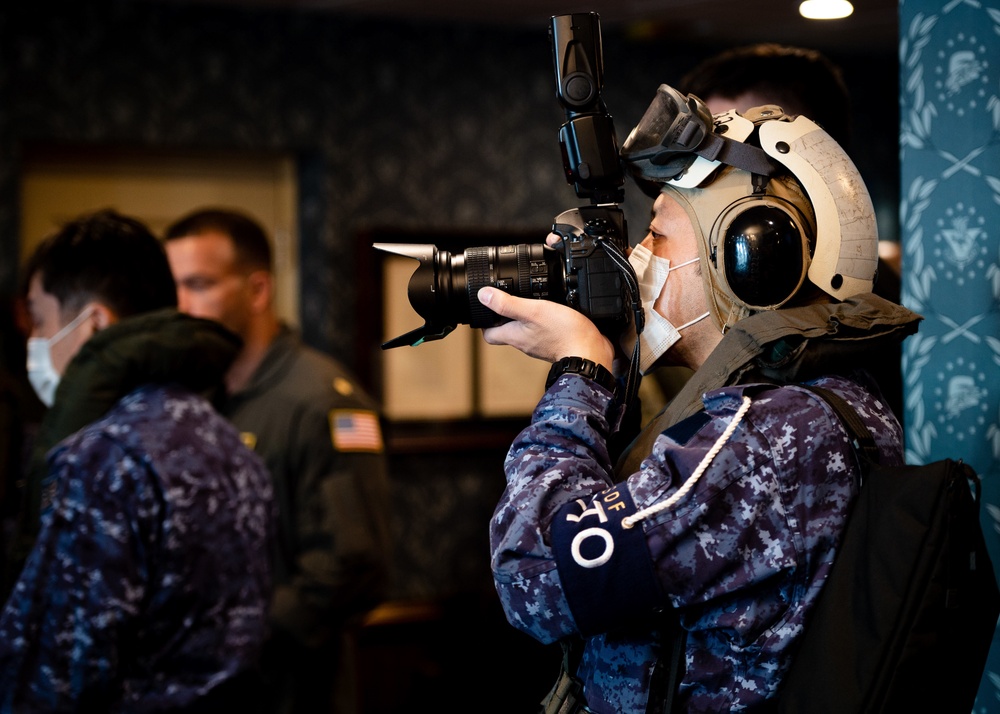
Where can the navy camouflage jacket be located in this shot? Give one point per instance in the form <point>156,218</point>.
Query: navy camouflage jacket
<point>741,556</point>
<point>148,583</point>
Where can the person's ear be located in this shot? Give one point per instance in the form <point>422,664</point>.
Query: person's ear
<point>261,286</point>
<point>101,315</point>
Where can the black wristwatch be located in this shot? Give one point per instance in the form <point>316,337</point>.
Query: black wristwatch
<point>585,367</point>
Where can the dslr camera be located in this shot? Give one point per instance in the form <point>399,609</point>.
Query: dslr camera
<point>586,269</point>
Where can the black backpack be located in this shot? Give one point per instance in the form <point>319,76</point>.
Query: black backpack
<point>908,612</point>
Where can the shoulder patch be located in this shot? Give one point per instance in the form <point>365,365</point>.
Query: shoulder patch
<point>343,386</point>
<point>355,430</point>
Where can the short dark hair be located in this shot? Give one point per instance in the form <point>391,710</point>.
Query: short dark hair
<point>250,243</point>
<point>108,257</point>
<point>799,80</point>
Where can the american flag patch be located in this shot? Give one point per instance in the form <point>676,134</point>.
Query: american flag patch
<point>355,430</point>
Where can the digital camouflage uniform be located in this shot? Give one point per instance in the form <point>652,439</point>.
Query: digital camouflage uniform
<point>319,435</point>
<point>147,586</point>
<point>740,558</point>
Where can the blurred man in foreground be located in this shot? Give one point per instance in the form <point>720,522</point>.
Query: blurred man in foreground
<point>147,586</point>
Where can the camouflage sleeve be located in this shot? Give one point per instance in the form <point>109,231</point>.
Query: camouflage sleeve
<point>739,526</point>
<point>341,549</point>
<point>60,627</point>
<point>561,457</point>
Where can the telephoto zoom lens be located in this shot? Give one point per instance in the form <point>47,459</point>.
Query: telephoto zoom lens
<point>444,287</point>
<point>530,270</point>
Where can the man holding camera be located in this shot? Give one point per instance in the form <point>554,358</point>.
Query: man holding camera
<point>724,515</point>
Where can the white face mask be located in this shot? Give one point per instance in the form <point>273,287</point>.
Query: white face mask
<point>659,334</point>
<point>41,372</point>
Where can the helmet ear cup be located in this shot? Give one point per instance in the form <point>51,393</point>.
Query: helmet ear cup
<point>761,252</point>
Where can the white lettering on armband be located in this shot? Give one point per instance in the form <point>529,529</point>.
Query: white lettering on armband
<point>605,571</point>
<point>598,510</point>
<point>609,548</point>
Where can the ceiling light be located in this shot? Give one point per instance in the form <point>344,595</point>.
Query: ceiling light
<point>825,9</point>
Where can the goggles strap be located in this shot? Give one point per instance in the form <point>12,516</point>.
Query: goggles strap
<point>736,153</point>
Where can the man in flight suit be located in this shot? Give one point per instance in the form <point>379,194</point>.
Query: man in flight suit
<point>319,436</point>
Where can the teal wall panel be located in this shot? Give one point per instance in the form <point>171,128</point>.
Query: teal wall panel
<point>950,229</point>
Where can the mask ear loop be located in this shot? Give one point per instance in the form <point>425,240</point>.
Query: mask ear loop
<point>71,325</point>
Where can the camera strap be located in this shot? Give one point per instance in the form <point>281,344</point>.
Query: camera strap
<point>631,284</point>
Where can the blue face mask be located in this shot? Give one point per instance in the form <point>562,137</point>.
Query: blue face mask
<point>41,372</point>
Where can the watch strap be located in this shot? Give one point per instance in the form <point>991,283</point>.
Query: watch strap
<point>585,368</point>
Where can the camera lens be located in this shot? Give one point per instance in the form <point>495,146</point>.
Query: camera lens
<point>525,270</point>
<point>578,272</point>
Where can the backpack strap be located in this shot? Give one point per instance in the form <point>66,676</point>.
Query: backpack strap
<point>861,437</point>
<point>675,667</point>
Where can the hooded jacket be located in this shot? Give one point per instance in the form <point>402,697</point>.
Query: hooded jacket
<point>142,473</point>
<point>153,348</point>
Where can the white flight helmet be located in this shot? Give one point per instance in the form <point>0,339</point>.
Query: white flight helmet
<point>774,201</point>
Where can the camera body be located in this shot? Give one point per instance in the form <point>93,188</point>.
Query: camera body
<point>580,270</point>
<point>593,279</point>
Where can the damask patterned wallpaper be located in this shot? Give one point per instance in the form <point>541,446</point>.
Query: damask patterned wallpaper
<point>391,130</point>
<point>949,57</point>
